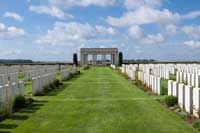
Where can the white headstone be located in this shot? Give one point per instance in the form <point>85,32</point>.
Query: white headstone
<point>175,89</point>
<point>185,77</point>
<point>21,88</point>
<point>197,80</point>
<point>196,101</point>
<point>189,78</point>
<point>188,98</point>
<point>181,77</point>
<point>181,95</point>
<point>35,85</point>
<point>159,91</point>
<point>177,77</point>
<point>2,95</point>
<point>193,79</point>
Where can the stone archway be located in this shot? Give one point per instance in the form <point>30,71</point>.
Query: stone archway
<point>95,52</point>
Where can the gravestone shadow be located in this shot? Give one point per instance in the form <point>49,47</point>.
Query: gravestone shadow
<point>21,115</point>
<point>4,131</point>
<point>65,84</point>
<point>6,128</point>
<point>34,107</point>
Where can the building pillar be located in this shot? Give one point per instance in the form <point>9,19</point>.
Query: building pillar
<point>116,60</point>
<point>82,59</point>
<point>94,61</point>
<point>104,59</point>
<point>112,59</point>
<point>85,59</point>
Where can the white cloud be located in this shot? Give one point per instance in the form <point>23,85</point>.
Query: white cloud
<point>192,44</point>
<point>192,31</point>
<point>171,30</point>
<point>103,30</point>
<point>9,32</point>
<point>81,3</point>
<point>139,51</point>
<point>13,15</point>
<point>147,12</point>
<point>191,15</point>
<point>70,33</point>
<point>56,8</point>
<point>136,33</point>
<point>154,39</point>
<point>145,15</point>
<point>134,4</point>
<point>13,52</point>
<point>50,10</point>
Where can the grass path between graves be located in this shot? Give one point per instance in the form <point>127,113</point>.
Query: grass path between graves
<point>99,101</point>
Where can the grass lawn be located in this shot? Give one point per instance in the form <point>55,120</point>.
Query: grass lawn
<point>172,77</point>
<point>99,101</point>
<point>164,85</point>
<point>28,87</point>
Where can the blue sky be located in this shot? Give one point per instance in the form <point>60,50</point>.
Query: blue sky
<point>52,30</point>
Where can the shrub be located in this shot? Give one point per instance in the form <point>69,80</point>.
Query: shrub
<point>120,59</point>
<point>1,111</point>
<point>52,86</point>
<point>6,109</point>
<point>71,75</point>
<point>40,93</point>
<point>170,101</point>
<point>197,125</point>
<point>78,72</point>
<point>140,85</point>
<point>29,101</point>
<point>56,82</point>
<point>75,59</point>
<point>19,102</point>
<point>46,89</point>
<point>183,115</point>
<point>86,67</point>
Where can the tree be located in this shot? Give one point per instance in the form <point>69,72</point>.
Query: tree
<point>75,59</point>
<point>120,58</point>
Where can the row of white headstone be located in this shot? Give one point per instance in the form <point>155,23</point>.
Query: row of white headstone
<point>188,96</point>
<point>8,92</point>
<point>8,78</point>
<point>188,68</point>
<point>186,87</point>
<point>9,69</point>
<point>73,69</point>
<point>188,92</point>
<point>26,68</point>
<point>10,87</point>
<point>38,70</point>
<point>39,82</point>
<point>129,70</point>
<point>151,81</point>
<point>64,72</point>
<point>188,78</point>
<point>159,70</point>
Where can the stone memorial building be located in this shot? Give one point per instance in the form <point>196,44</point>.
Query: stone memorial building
<point>102,52</point>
